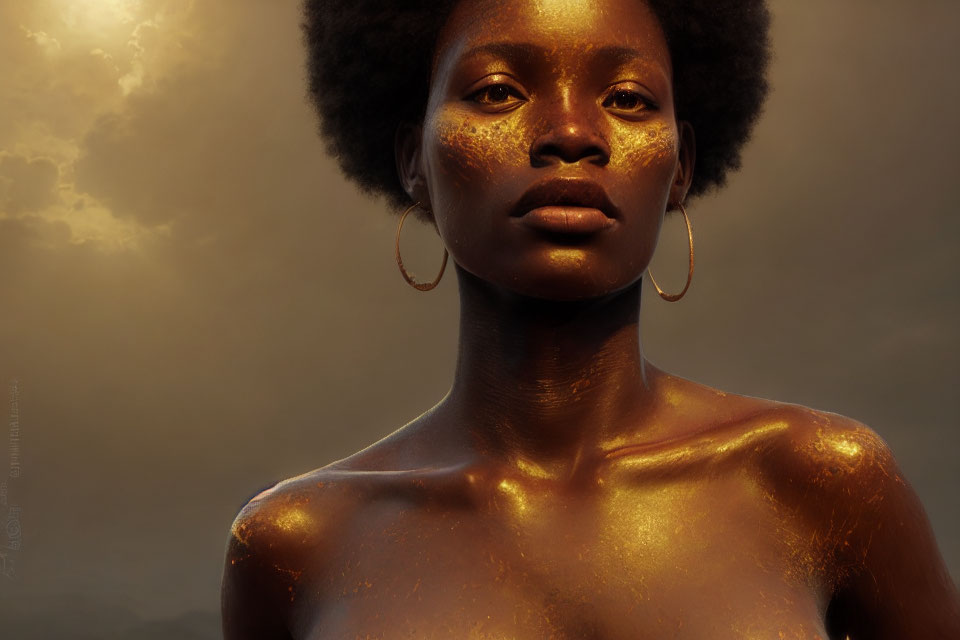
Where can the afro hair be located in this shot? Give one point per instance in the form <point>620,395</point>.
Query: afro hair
<point>363,54</point>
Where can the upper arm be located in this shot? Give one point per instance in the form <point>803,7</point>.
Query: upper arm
<point>264,565</point>
<point>889,579</point>
<point>249,588</point>
<point>893,583</point>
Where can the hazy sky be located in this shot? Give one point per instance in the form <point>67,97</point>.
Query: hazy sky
<point>195,304</point>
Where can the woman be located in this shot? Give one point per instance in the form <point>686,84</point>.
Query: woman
<point>565,487</point>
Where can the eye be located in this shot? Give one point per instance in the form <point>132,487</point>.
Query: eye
<point>627,100</point>
<point>498,95</point>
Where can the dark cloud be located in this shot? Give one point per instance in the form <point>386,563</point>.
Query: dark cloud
<point>210,140</point>
<point>27,184</point>
<point>47,88</point>
<point>24,236</point>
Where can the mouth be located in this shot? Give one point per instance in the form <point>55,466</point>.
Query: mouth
<point>566,206</point>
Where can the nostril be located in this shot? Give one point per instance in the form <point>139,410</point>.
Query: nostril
<point>555,155</point>
<point>569,145</point>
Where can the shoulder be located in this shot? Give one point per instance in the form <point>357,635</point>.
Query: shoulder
<point>274,541</point>
<point>832,453</point>
<point>867,524</point>
<point>828,469</point>
<point>796,443</point>
<point>286,513</point>
<point>834,469</point>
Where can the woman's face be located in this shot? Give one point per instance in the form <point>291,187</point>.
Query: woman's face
<point>550,150</point>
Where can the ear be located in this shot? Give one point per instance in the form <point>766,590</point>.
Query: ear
<point>688,158</point>
<point>407,151</point>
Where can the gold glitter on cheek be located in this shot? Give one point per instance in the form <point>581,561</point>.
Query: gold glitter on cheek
<point>467,149</point>
<point>455,148</point>
<point>637,145</point>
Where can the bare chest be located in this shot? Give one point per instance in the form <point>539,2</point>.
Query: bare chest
<point>674,560</point>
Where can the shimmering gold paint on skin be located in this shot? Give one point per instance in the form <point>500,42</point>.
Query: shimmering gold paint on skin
<point>476,145</point>
<point>644,144</point>
<point>560,11</point>
<point>269,515</point>
<point>532,469</point>
<point>842,454</point>
<point>756,435</point>
<point>516,498</point>
<point>647,528</point>
<point>847,448</point>
<point>695,448</point>
<point>672,396</point>
<point>293,520</point>
<point>566,258</point>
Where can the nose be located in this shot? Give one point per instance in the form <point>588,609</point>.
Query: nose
<point>571,136</point>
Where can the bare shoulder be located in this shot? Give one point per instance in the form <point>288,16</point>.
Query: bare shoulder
<point>833,453</point>
<point>866,524</point>
<point>282,519</point>
<point>811,460</point>
<point>824,463</point>
<point>853,516</point>
<point>273,542</point>
<point>799,444</point>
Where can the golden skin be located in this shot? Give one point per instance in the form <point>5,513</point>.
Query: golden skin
<point>565,487</point>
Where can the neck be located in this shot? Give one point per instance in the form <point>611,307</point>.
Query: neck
<point>547,382</point>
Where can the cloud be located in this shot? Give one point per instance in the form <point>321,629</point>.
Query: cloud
<point>49,100</point>
<point>23,235</point>
<point>27,184</point>
<point>68,75</point>
<point>209,147</point>
<point>165,156</point>
<point>143,40</point>
<point>49,44</point>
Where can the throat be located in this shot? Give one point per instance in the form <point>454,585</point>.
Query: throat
<point>545,381</point>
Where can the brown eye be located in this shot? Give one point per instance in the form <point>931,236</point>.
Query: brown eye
<point>625,100</point>
<point>498,95</point>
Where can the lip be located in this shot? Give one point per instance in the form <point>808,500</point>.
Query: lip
<point>567,204</point>
<point>567,219</point>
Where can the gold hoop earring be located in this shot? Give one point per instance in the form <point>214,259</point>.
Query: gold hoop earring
<point>673,297</point>
<point>420,286</point>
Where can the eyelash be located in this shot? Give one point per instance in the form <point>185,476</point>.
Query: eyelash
<point>641,100</point>
<point>486,90</point>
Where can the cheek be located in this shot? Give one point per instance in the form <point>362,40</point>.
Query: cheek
<point>648,154</point>
<point>647,158</point>
<point>467,154</point>
<point>466,161</point>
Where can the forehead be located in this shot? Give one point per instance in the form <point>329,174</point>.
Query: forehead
<point>561,27</point>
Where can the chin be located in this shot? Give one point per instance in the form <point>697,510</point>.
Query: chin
<point>564,285</point>
<point>555,274</point>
